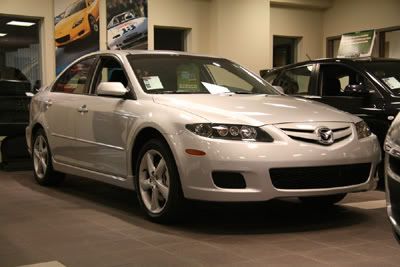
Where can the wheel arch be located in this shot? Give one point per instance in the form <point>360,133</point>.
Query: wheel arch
<point>145,134</point>
<point>36,128</point>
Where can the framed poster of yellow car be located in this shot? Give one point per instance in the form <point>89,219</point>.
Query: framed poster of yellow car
<point>76,30</point>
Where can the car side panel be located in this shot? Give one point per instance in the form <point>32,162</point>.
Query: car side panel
<point>101,134</point>
<point>58,117</point>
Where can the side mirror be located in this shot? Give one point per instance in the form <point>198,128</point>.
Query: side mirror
<point>356,89</point>
<point>111,89</point>
<point>279,89</point>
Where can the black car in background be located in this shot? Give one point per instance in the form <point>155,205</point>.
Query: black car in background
<point>15,96</point>
<point>366,87</point>
<point>392,175</point>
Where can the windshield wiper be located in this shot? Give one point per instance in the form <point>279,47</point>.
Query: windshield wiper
<point>243,93</point>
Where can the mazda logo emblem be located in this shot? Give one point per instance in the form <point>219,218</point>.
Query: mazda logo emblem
<point>324,135</point>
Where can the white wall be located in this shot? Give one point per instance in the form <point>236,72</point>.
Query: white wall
<point>299,22</point>
<point>38,9</point>
<point>192,14</point>
<point>240,31</point>
<point>355,15</point>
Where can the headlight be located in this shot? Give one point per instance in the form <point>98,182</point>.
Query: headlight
<point>230,132</point>
<point>362,130</point>
<point>77,23</point>
<point>391,147</point>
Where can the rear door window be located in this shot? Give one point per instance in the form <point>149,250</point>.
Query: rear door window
<point>75,80</point>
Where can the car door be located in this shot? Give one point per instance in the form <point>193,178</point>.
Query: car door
<point>298,81</point>
<point>61,104</point>
<point>102,124</point>
<point>333,78</point>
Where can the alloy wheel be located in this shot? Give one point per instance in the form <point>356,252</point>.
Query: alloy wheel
<point>40,157</point>
<point>154,181</point>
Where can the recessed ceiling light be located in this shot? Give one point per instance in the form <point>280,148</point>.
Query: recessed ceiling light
<point>20,23</point>
<point>2,34</point>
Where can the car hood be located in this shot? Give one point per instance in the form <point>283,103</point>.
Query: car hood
<point>64,26</point>
<point>254,110</point>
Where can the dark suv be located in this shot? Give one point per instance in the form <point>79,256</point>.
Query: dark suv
<point>368,88</point>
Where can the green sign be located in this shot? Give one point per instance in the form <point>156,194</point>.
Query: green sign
<point>188,78</point>
<point>357,44</point>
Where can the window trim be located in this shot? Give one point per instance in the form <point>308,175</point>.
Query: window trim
<point>90,74</point>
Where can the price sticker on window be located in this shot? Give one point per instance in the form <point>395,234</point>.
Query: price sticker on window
<point>152,83</point>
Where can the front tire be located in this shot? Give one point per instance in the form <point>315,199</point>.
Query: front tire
<point>328,200</point>
<point>42,164</point>
<point>157,183</point>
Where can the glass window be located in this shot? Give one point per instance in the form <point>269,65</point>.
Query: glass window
<point>226,78</point>
<point>171,74</point>
<point>387,72</point>
<point>335,78</point>
<point>110,70</point>
<point>392,44</point>
<point>270,77</point>
<point>20,61</point>
<point>75,79</point>
<point>296,81</point>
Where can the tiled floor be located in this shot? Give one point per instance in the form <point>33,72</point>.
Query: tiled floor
<point>85,223</point>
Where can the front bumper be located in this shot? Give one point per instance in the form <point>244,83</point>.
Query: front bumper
<point>254,160</point>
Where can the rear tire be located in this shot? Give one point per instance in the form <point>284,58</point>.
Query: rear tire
<point>328,200</point>
<point>158,184</point>
<point>42,163</point>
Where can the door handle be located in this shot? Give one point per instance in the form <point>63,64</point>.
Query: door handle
<point>48,103</point>
<point>83,109</point>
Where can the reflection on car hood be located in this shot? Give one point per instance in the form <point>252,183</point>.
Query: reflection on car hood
<point>254,110</point>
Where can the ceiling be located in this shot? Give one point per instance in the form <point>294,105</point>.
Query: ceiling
<point>17,36</point>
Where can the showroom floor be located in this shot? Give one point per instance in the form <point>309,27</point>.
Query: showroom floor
<point>85,223</point>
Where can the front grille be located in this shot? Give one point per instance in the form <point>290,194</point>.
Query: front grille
<point>63,39</point>
<point>307,132</point>
<point>320,177</point>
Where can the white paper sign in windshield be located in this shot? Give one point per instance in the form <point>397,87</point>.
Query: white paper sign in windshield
<point>215,89</point>
<point>152,83</point>
<point>391,82</point>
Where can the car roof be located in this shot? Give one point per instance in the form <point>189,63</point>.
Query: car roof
<point>341,60</point>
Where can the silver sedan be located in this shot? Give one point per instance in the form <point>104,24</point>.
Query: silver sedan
<point>177,126</point>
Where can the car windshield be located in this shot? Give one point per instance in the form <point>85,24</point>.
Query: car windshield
<point>388,72</point>
<point>182,74</point>
<point>119,19</point>
<point>75,7</point>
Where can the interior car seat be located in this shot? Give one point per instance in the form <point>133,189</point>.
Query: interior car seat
<point>332,86</point>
